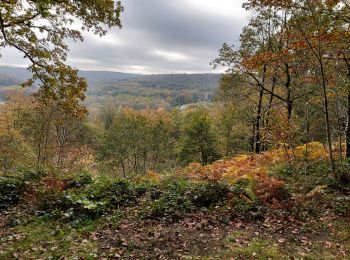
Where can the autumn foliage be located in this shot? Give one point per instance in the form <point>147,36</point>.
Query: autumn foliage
<point>255,168</point>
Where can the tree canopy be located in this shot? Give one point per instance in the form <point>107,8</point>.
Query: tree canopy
<point>39,29</point>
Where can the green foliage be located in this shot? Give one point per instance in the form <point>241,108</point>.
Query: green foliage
<point>342,205</point>
<point>11,188</point>
<point>245,186</point>
<point>79,181</point>
<point>84,196</point>
<point>172,202</point>
<point>209,194</point>
<point>39,29</point>
<point>300,181</point>
<point>232,127</point>
<point>14,152</point>
<point>174,197</point>
<point>257,248</point>
<point>135,141</point>
<point>198,142</point>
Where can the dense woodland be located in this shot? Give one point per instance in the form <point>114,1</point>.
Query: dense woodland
<point>126,89</point>
<point>259,171</point>
<point>155,91</point>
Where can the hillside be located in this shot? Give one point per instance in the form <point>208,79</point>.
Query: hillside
<point>155,91</point>
<point>138,91</point>
<point>19,74</point>
<point>247,207</point>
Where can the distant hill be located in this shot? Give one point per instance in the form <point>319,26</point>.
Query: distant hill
<point>8,80</point>
<point>94,77</point>
<point>21,74</point>
<point>178,81</point>
<point>162,90</point>
<point>136,90</point>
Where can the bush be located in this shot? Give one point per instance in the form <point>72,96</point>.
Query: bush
<point>11,188</point>
<point>342,205</point>
<point>97,198</point>
<point>209,194</point>
<point>172,202</point>
<point>174,197</point>
<point>244,187</point>
<point>78,181</point>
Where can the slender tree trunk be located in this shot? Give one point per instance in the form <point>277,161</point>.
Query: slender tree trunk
<point>135,160</point>
<point>258,122</point>
<point>252,142</point>
<point>289,92</point>
<point>307,135</point>
<point>289,109</point>
<point>204,156</point>
<point>271,99</point>
<point>228,137</point>
<point>155,161</point>
<point>339,132</point>
<point>270,107</point>
<point>347,129</point>
<point>123,167</point>
<point>145,161</point>
<point>328,128</point>
<point>258,116</point>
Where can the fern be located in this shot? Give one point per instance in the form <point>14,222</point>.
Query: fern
<point>249,189</point>
<point>245,185</point>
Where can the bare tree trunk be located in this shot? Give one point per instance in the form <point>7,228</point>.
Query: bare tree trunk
<point>270,107</point>
<point>328,129</point>
<point>271,99</point>
<point>339,132</point>
<point>347,129</point>
<point>123,167</point>
<point>252,142</point>
<point>258,121</point>
<point>289,92</point>
<point>258,116</point>
<point>307,133</point>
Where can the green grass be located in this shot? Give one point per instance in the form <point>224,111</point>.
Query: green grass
<point>49,239</point>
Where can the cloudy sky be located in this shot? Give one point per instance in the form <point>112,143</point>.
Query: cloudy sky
<point>158,36</point>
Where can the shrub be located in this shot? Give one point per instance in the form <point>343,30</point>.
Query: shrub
<point>80,180</point>
<point>174,197</point>
<point>11,188</point>
<point>271,191</point>
<point>244,186</point>
<point>168,200</point>
<point>97,198</point>
<point>208,194</point>
<point>342,205</point>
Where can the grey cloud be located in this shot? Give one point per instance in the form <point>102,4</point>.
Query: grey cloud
<point>158,36</point>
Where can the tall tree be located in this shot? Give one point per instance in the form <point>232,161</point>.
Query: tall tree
<point>39,29</point>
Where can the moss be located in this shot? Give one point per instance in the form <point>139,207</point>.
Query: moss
<point>257,248</point>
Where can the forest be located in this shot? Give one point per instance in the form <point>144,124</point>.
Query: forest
<point>170,167</point>
<point>126,89</point>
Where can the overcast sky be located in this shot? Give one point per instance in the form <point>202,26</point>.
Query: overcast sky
<point>158,36</point>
